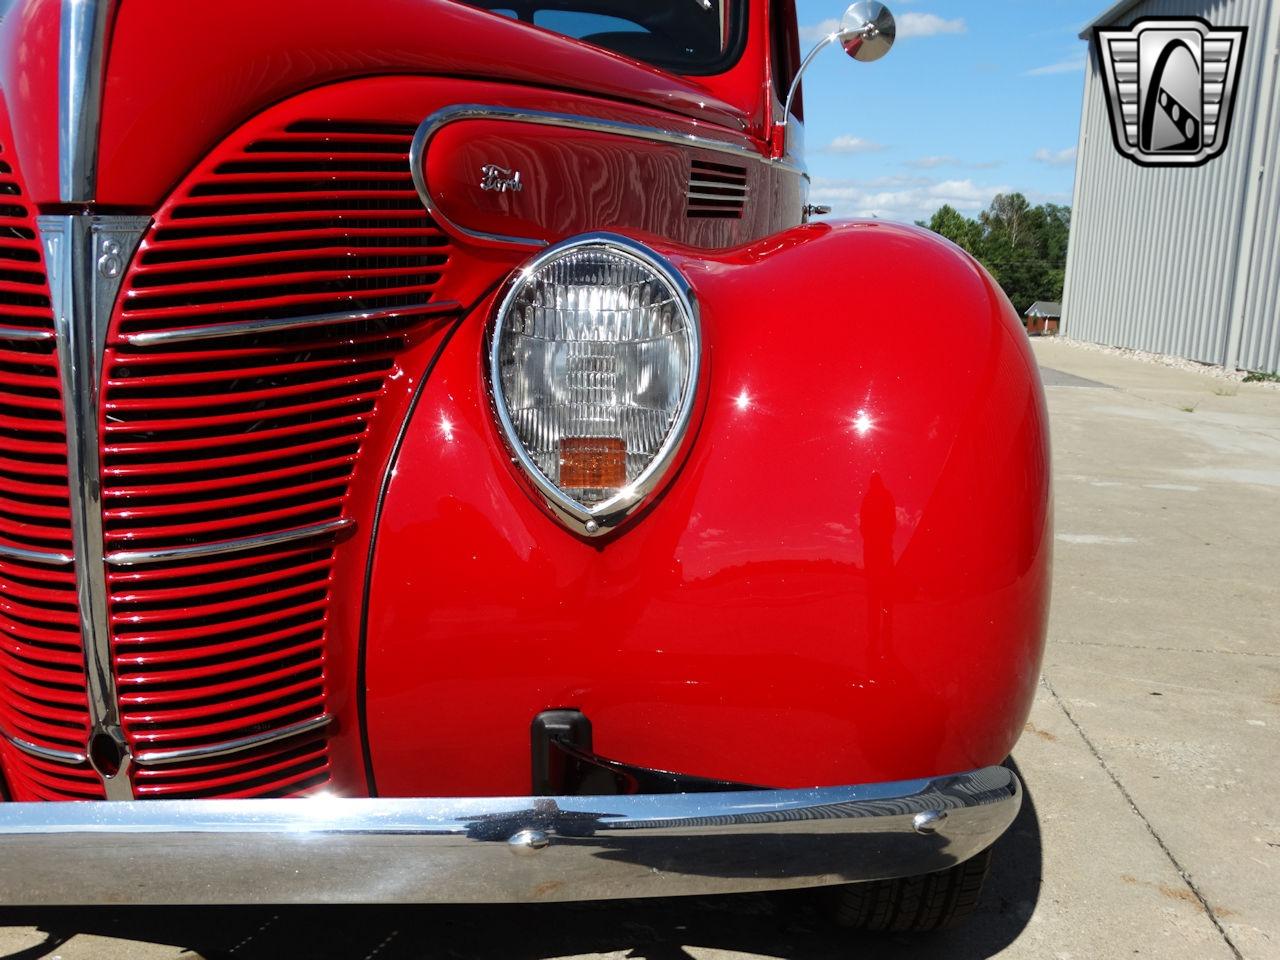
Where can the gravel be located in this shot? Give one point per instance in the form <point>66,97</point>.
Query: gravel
<point>1177,363</point>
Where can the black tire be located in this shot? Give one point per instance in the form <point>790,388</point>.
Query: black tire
<point>931,901</point>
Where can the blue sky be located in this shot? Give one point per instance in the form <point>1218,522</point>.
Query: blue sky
<point>977,97</point>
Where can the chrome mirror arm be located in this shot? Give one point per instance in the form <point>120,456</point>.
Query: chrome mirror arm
<point>867,31</point>
<point>804,65</point>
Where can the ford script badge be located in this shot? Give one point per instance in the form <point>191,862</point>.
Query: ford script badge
<point>500,179</point>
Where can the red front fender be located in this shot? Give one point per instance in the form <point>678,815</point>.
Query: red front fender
<point>847,581</point>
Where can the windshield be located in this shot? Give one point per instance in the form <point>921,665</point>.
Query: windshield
<point>684,36</point>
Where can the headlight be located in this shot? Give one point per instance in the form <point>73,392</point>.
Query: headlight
<point>593,365</point>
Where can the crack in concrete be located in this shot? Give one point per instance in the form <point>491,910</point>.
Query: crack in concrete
<point>1138,646</point>
<point>255,934</point>
<point>1186,877</point>
<point>1172,405</point>
<point>1133,392</point>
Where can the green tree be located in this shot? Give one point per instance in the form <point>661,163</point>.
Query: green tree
<point>956,227</point>
<point>1023,247</point>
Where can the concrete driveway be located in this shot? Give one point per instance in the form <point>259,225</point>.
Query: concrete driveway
<point>1151,761</point>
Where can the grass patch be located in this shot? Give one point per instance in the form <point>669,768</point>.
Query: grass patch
<point>1256,376</point>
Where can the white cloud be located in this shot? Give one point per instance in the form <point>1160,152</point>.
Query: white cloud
<point>905,198</point>
<point>847,143</point>
<point>928,25</point>
<point>932,163</point>
<point>929,163</point>
<point>1072,64</point>
<point>1056,158</point>
<point>815,32</point>
<point>909,25</point>
<point>1037,197</point>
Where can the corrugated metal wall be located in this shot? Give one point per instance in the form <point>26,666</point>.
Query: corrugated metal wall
<point>1260,333</point>
<point>1154,251</point>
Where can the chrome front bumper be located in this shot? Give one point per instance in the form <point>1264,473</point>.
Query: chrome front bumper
<point>489,850</point>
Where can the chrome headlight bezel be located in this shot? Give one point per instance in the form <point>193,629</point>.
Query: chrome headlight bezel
<point>599,518</point>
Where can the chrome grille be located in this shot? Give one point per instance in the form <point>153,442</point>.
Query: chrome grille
<point>263,315</point>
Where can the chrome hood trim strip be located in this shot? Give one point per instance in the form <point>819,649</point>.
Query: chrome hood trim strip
<point>155,758</point>
<point>133,558</point>
<point>44,557</point>
<point>81,67</point>
<point>67,757</point>
<point>215,331</point>
<point>17,334</point>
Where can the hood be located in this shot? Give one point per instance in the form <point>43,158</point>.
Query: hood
<point>178,78</point>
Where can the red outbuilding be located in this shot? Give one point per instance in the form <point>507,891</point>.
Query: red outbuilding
<point>1042,318</point>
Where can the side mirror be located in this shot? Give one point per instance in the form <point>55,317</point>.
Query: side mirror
<point>867,31</point>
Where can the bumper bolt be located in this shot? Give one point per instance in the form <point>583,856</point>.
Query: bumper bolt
<point>528,842</point>
<point>929,821</point>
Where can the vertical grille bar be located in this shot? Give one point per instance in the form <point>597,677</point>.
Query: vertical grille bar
<point>85,256</point>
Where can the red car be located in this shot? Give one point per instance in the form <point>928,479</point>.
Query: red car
<point>444,412</point>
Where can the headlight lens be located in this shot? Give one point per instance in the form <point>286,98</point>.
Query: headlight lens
<point>594,363</point>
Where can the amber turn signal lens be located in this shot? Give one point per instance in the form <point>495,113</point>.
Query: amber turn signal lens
<point>593,463</point>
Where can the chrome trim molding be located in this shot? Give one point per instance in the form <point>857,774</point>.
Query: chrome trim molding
<point>494,849</point>
<point>215,331</point>
<point>134,558</point>
<point>44,557</point>
<point>68,757</point>
<point>598,520</point>
<point>81,66</point>
<point>740,194</point>
<point>17,334</point>
<point>155,758</point>
<point>85,256</point>
<point>474,111</point>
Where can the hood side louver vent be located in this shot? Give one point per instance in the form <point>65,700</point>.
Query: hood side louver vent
<point>716,190</point>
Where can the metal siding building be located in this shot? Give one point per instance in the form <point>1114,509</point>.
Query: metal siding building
<point>1183,261</point>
